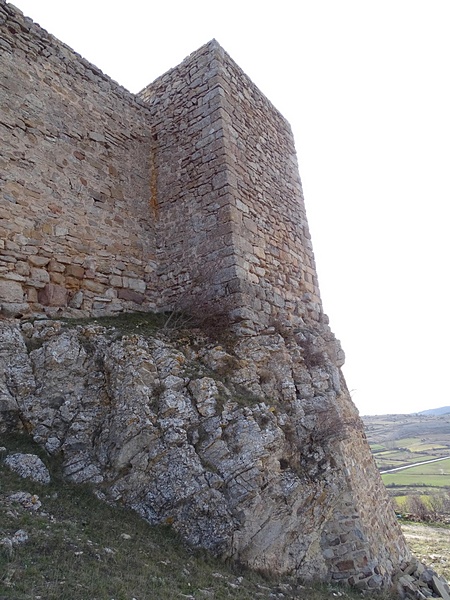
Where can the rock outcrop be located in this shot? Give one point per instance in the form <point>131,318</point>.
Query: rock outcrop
<point>252,450</point>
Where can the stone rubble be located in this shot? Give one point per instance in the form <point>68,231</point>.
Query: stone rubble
<point>416,581</point>
<point>28,501</point>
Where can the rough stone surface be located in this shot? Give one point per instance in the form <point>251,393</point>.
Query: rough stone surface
<point>28,466</point>
<point>253,451</point>
<point>74,179</point>
<point>416,581</point>
<point>186,196</point>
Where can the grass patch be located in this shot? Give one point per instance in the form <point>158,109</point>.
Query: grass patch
<point>377,447</point>
<point>143,323</point>
<point>80,548</point>
<point>431,544</point>
<point>405,479</point>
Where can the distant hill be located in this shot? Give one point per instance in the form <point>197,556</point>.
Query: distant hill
<point>443,410</point>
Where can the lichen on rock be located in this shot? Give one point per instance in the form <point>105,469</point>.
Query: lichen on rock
<point>253,451</point>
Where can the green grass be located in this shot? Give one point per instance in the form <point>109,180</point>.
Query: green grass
<point>79,548</point>
<point>126,323</point>
<point>377,447</point>
<point>435,474</point>
<point>441,467</point>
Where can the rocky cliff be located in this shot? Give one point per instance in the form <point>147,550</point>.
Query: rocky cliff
<point>251,448</point>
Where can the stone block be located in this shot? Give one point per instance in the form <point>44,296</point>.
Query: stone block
<point>13,276</point>
<point>53,295</point>
<point>39,275</point>
<point>115,281</point>
<point>22,268</point>
<point>131,295</point>
<point>38,261</point>
<point>75,271</point>
<point>56,266</point>
<point>346,565</point>
<point>138,285</point>
<point>93,286</point>
<point>76,300</point>
<point>13,309</point>
<point>440,588</point>
<point>57,278</point>
<point>31,295</point>
<point>61,230</point>
<point>10,291</point>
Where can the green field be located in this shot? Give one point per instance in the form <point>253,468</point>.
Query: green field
<point>401,440</point>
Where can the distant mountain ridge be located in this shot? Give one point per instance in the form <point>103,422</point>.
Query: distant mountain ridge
<point>443,410</point>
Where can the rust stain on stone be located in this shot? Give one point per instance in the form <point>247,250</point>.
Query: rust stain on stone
<point>154,179</point>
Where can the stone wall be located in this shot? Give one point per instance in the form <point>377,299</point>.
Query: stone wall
<point>362,541</point>
<point>227,194</point>
<point>271,236</point>
<point>76,231</point>
<point>185,197</point>
<point>191,198</point>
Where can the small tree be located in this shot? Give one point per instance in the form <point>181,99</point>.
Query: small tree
<point>418,508</point>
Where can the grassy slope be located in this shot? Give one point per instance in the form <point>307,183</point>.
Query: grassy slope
<point>430,544</point>
<point>79,548</point>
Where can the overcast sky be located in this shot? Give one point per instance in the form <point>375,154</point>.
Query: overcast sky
<point>366,88</point>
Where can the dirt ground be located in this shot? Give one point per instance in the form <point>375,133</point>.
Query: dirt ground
<point>431,545</point>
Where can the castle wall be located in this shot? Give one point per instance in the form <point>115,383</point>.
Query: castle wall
<point>227,196</point>
<point>271,235</point>
<point>75,225</point>
<point>186,197</point>
<point>191,200</point>
<point>362,541</point>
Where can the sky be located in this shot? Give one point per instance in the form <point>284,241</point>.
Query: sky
<point>366,88</point>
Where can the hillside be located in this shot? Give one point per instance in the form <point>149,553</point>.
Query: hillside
<point>443,410</point>
<point>417,441</point>
<point>69,545</point>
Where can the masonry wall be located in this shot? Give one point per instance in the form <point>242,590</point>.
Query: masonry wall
<point>187,197</point>
<point>76,230</point>
<point>271,235</point>
<point>362,541</point>
<point>191,200</point>
<point>227,196</point>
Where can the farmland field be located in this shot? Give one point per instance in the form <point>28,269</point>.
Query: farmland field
<point>402,440</point>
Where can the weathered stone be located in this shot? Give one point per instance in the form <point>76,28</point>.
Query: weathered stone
<point>40,275</point>
<point>77,299</point>
<point>205,392</point>
<point>53,295</point>
<point>29,501</point>
<point>185,197</point>
<point>440,588</point>
<point>14,309</point>
<point>28,466</point>
<point>10,291</point>
<point>237,470</point>
<point>75,271</point>
<point>130,295</point>
<point>38,261</point>
<point>93,286</point>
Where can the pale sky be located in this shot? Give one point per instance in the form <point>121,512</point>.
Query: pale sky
<point>366,88</point>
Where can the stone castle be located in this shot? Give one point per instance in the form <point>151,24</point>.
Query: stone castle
<point>185,196</point>
<point>112,201</point>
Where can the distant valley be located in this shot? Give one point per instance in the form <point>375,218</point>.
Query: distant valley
<point>422,440</point>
